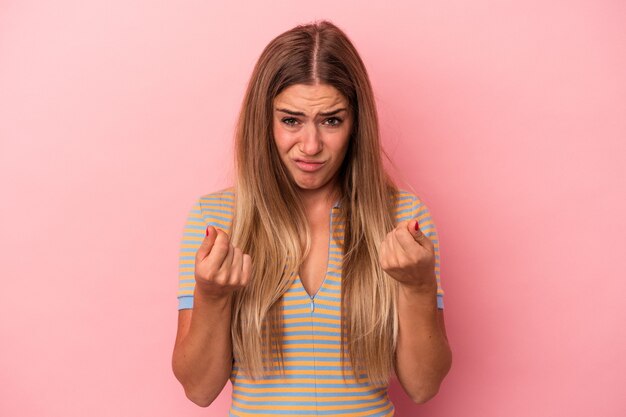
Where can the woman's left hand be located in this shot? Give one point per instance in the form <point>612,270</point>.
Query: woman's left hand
<point>408,256</point>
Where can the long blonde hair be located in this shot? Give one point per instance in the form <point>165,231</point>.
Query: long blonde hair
<point>307,54</point>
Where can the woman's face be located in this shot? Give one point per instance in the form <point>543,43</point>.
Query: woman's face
<point>311,126</point>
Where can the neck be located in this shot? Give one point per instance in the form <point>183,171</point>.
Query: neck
<point>320,199</point>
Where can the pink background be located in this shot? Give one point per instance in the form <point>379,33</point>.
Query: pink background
<point>507,117</point>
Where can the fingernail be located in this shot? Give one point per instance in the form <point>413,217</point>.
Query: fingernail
<point>417,226</point>
<point>207,230</point>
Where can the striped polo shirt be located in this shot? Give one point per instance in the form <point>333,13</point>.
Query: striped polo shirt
<point>313,382</point>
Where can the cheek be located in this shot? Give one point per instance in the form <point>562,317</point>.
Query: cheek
<point>280,138</point>
<point>284,141</point>
<point>344,141</point>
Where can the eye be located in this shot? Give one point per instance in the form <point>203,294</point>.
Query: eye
<point>289,121</point>
<point>334,121</point>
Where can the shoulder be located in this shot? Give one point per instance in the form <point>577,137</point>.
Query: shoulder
<point>410,206</point>
<point>220,198</point>
<point>217,208</point>
<point>406,205</point>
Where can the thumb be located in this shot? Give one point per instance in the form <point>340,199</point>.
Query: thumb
<point>415,231</point>
<point>207,243</point>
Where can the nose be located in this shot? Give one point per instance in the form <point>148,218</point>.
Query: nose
<point>311,141</point>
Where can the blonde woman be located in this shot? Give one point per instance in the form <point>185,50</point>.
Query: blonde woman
<point>312,278</point>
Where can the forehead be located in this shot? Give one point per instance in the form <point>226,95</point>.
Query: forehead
<point>303,96</point>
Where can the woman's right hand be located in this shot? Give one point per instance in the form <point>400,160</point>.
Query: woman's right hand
<point>220,268</point>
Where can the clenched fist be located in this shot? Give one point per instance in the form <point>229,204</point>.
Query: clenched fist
<point>220,267</point>
<point>408,256</point>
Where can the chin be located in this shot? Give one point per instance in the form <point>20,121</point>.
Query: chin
<point>307,185</point>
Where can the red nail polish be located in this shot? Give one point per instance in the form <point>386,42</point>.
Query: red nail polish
<point>207,230</point>
<point>417,226</point>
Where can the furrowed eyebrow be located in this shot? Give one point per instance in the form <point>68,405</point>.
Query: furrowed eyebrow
<point>299,113</point>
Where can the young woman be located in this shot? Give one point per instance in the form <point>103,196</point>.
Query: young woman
<point>310,280</point>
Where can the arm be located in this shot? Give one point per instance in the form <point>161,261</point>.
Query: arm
<point>423,356</point>
<point>202,357</point>
<point>410,255</point>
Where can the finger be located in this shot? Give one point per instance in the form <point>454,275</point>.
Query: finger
<point>228,260</point>
<point>414,229</point>
<point>392,249</point>
<point>406,237</point>
<point>235,268</point>
<point>207,243</point>
<point>219,251</point>
<point>246,269</point>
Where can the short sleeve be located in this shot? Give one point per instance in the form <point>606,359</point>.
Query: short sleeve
<point>410,206</point>
<point>215,209</point>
